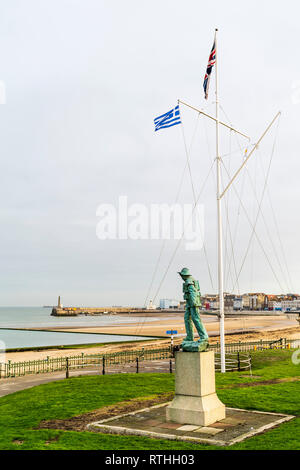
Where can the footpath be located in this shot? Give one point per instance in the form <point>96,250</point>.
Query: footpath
<point>14,384</point>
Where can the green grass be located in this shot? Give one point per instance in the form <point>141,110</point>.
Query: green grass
<point>21,412</point>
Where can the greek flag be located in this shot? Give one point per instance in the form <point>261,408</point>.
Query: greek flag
<point>169,119</point>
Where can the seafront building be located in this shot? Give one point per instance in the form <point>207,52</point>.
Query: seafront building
<point>290,305</point>
<point>256,301</point>
<point>253,301</point>
<point>168,304</point>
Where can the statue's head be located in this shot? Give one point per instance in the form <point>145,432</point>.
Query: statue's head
<point>184,273</point>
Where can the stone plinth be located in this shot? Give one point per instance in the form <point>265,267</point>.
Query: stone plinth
<point>195,401</point>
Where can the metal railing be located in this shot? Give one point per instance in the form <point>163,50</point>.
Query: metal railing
<point>281,343</point>
<point>234,361</point>
<point>55,364</point>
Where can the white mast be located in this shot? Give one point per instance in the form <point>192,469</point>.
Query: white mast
<point>220,195</point>
<point>220,237</point>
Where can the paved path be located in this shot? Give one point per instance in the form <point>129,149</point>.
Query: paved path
<point>15,384</point>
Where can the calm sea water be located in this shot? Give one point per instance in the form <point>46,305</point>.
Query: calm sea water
<point>35,317</point>
<point>27,317</point>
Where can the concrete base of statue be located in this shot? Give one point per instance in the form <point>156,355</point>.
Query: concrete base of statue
<point>195,401</point>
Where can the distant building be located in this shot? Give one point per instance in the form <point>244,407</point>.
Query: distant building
<point>238,303</point>
<point>290,305</point>
<point>210,301</point>
<point>257,301</point>
<point>215,305</point>
<point>291,297</point>
<point>246,301</point>
<point>252,301</point>
<point>168,303</point>
<point>274,301</point>
<point>228,301</point>
<point>276,306</point>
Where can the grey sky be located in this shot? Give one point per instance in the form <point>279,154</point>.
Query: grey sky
<point>84,80</point>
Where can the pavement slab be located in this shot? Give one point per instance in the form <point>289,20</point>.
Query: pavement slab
<point>238,425</point>
<point>188,427</point>
<point>208,430</point>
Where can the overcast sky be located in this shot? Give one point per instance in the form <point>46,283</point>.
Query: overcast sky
<point>83,81</point>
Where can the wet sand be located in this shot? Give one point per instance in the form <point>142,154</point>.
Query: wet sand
<point>237,329</point>
<point>175,321</point>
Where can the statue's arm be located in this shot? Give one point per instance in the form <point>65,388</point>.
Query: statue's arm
<point>192,294</point>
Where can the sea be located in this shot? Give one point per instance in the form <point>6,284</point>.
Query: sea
<point>13,319</point>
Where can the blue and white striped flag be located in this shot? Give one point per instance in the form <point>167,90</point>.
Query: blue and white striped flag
<point>168,119</point>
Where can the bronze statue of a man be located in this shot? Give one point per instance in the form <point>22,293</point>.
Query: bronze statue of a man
<point>192,296</point>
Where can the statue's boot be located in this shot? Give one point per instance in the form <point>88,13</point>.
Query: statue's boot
<point>203,336</point>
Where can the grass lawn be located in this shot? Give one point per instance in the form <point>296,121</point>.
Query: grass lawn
<point>21,412</point>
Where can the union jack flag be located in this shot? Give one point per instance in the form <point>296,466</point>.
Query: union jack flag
<point>211,63</point>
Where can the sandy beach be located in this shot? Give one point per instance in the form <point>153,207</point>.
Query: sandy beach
<point>175,321</point>
<point>237,329</point>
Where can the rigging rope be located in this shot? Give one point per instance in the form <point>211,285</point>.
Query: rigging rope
<point>253,228</point>
<point>267,230</point>
<point>231,258</point>
<point>187,165</point>
<point>176,199</point>
<point>140,326</point>
<point>257,237</point>
<point>280,241</point>
<point>194,197</point>
<point>251,241</point>
<point>182,235</point>
<point>259,209</point>
<point>233,239</point>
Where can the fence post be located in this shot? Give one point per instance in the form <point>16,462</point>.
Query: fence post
<point>137,365</point>
<point>67,367</point>
<point>103,365</point>
<point>239,362</point>
<point>171,366</point>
